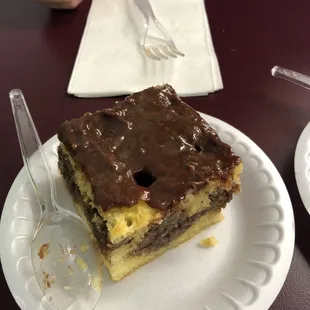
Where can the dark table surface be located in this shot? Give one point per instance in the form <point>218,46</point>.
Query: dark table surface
<point>38,48</point>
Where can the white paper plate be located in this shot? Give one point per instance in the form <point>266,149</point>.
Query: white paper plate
<point>246,270</point>
<point>302,166</point>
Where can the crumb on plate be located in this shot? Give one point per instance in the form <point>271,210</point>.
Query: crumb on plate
<point>48,280</point>
<point>44,250</point>
<point>72,251</point>
<point>209,242</point>
<point>81,263</point>
<point>96,283</point>
<point>84,248</point>
<point>67,251</point>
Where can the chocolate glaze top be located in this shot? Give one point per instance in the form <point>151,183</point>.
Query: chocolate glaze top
<point>151,146</point>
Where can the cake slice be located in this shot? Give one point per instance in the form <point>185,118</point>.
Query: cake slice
<point>146,175</point>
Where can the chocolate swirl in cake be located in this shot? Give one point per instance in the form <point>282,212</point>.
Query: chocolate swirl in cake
<point>151,146</point>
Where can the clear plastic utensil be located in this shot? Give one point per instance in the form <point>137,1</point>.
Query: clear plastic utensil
<point>291,76</point>
<point>156,43</point>
<point>63,256</point>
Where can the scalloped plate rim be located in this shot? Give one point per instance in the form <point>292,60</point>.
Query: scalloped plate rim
<point>264,300</point>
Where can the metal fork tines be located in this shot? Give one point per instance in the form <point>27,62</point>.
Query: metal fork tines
<point>156,43</point>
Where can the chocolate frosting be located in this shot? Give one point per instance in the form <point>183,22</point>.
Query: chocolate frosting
<point>151,147</point>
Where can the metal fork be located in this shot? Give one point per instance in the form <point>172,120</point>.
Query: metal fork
<point>160,46</point>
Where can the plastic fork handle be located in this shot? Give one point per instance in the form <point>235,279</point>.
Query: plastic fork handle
<point>291,76</point>
<point>30,144</point>
<point>145,7</point>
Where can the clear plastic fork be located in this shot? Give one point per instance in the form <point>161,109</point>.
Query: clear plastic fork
<point>68,276</point>
<point>156,42</point>
<point>291,76</point>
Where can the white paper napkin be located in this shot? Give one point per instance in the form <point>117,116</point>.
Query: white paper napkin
<point>110,61</point>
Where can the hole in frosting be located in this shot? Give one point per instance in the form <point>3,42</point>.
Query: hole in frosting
<point>198,148</point>
<point>144,178</point>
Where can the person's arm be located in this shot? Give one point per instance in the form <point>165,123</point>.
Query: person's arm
<point>61,4</point>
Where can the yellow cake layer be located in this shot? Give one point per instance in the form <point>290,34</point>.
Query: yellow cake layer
<point>119,261</point>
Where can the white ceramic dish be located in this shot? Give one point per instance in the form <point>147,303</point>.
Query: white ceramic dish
<point>246,270</point>
<point>302,166</point>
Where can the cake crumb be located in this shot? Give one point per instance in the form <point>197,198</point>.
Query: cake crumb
<point>209,242</point>
<point>67,252</point>
<point>48,280</point>
<point>67,288</point>
<point>72,252</point>
<point>81,263</point>
<point>84,248</point>
<point>44,250</point>
<point>96,283</point>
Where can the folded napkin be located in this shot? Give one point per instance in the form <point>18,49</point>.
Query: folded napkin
<point>110,61</point>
